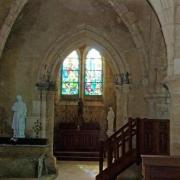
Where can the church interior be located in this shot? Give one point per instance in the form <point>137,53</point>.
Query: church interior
<point>92,82</point>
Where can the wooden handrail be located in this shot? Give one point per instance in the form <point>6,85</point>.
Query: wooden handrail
<point>118,145</point>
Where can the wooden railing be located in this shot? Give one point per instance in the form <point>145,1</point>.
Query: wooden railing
<point>121,146</point>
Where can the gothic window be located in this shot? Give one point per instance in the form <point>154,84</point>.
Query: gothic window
<point>93,73</point>
<point>78,81</point>
<point>70,75</point>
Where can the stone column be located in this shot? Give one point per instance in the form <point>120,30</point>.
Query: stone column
<point>122,93</point>
<point>125,95</point>
<point>42,87</point>
<point>43,113</point>
<point>51,161</point>
<point>118,120</point>
<point>174,87</point>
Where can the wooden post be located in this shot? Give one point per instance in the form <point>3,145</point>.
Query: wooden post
<point>138,127</point>
<point>123,142</point>
<point>101,157</point>
<point>130,134</point>
<point>109,158</point>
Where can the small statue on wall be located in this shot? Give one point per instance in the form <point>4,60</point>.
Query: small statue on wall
<point>110,119</point>
<point>18,125</point>
<point>45,75</point>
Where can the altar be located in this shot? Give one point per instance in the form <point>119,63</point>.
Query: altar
<point>77,143</point>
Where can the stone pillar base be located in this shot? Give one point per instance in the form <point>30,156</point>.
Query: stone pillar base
<point>50,163</point>
<point>109,133</point>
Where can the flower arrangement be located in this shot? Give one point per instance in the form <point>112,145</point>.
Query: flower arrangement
<point>37,127</point>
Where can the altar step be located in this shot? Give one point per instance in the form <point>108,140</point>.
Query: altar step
<point>78,156</point>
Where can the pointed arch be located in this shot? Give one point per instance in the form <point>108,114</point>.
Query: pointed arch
<point>130,20</point>
<point>165,13</point>
<point>93,81</point>
<point>70,74</point>
<point>78,37</point>
<point>16,8</point>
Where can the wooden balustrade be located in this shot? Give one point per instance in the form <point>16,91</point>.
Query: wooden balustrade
<point>119,144</point>
<point>138,136</point>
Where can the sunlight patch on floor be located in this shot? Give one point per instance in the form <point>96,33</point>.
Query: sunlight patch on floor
<point>77,170</point>
<point>90,170</point>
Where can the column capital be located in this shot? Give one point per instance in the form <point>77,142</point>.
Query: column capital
<point>46,86</point>
<point>173,83</point>
<point>122,88</point>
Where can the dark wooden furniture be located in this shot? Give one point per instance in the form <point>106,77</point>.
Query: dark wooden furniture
<point>23,141</point>
<point>121,151</point>
<point>124,147</point>
<point>154,136</point>
<point>72,143</point>
<point>161,167</point>
<point>78,140</point>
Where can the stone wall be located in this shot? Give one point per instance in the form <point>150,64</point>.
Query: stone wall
<point>45,32</point>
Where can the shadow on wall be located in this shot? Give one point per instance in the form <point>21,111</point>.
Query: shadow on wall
<point>5,128</point>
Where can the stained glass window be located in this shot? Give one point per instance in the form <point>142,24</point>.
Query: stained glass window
<point>93,73</point>
<point>70,75</point>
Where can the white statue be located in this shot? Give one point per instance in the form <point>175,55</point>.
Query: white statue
<point>19,117</point>
<point>110,119</point>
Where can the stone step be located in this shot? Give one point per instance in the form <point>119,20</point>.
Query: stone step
<point>131,173</point>
<point>74,155</point>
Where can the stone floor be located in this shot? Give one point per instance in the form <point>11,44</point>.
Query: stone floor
<point>77,170</point>
<point>83,170</point>
<point>132,173</point>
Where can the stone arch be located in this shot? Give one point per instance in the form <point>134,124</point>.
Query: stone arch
<point>130,20</point>
<point>76,38</point>
<point>164,10</point>
<point>165,13</point>
<point>16,7</point>
<point>64,45</point>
